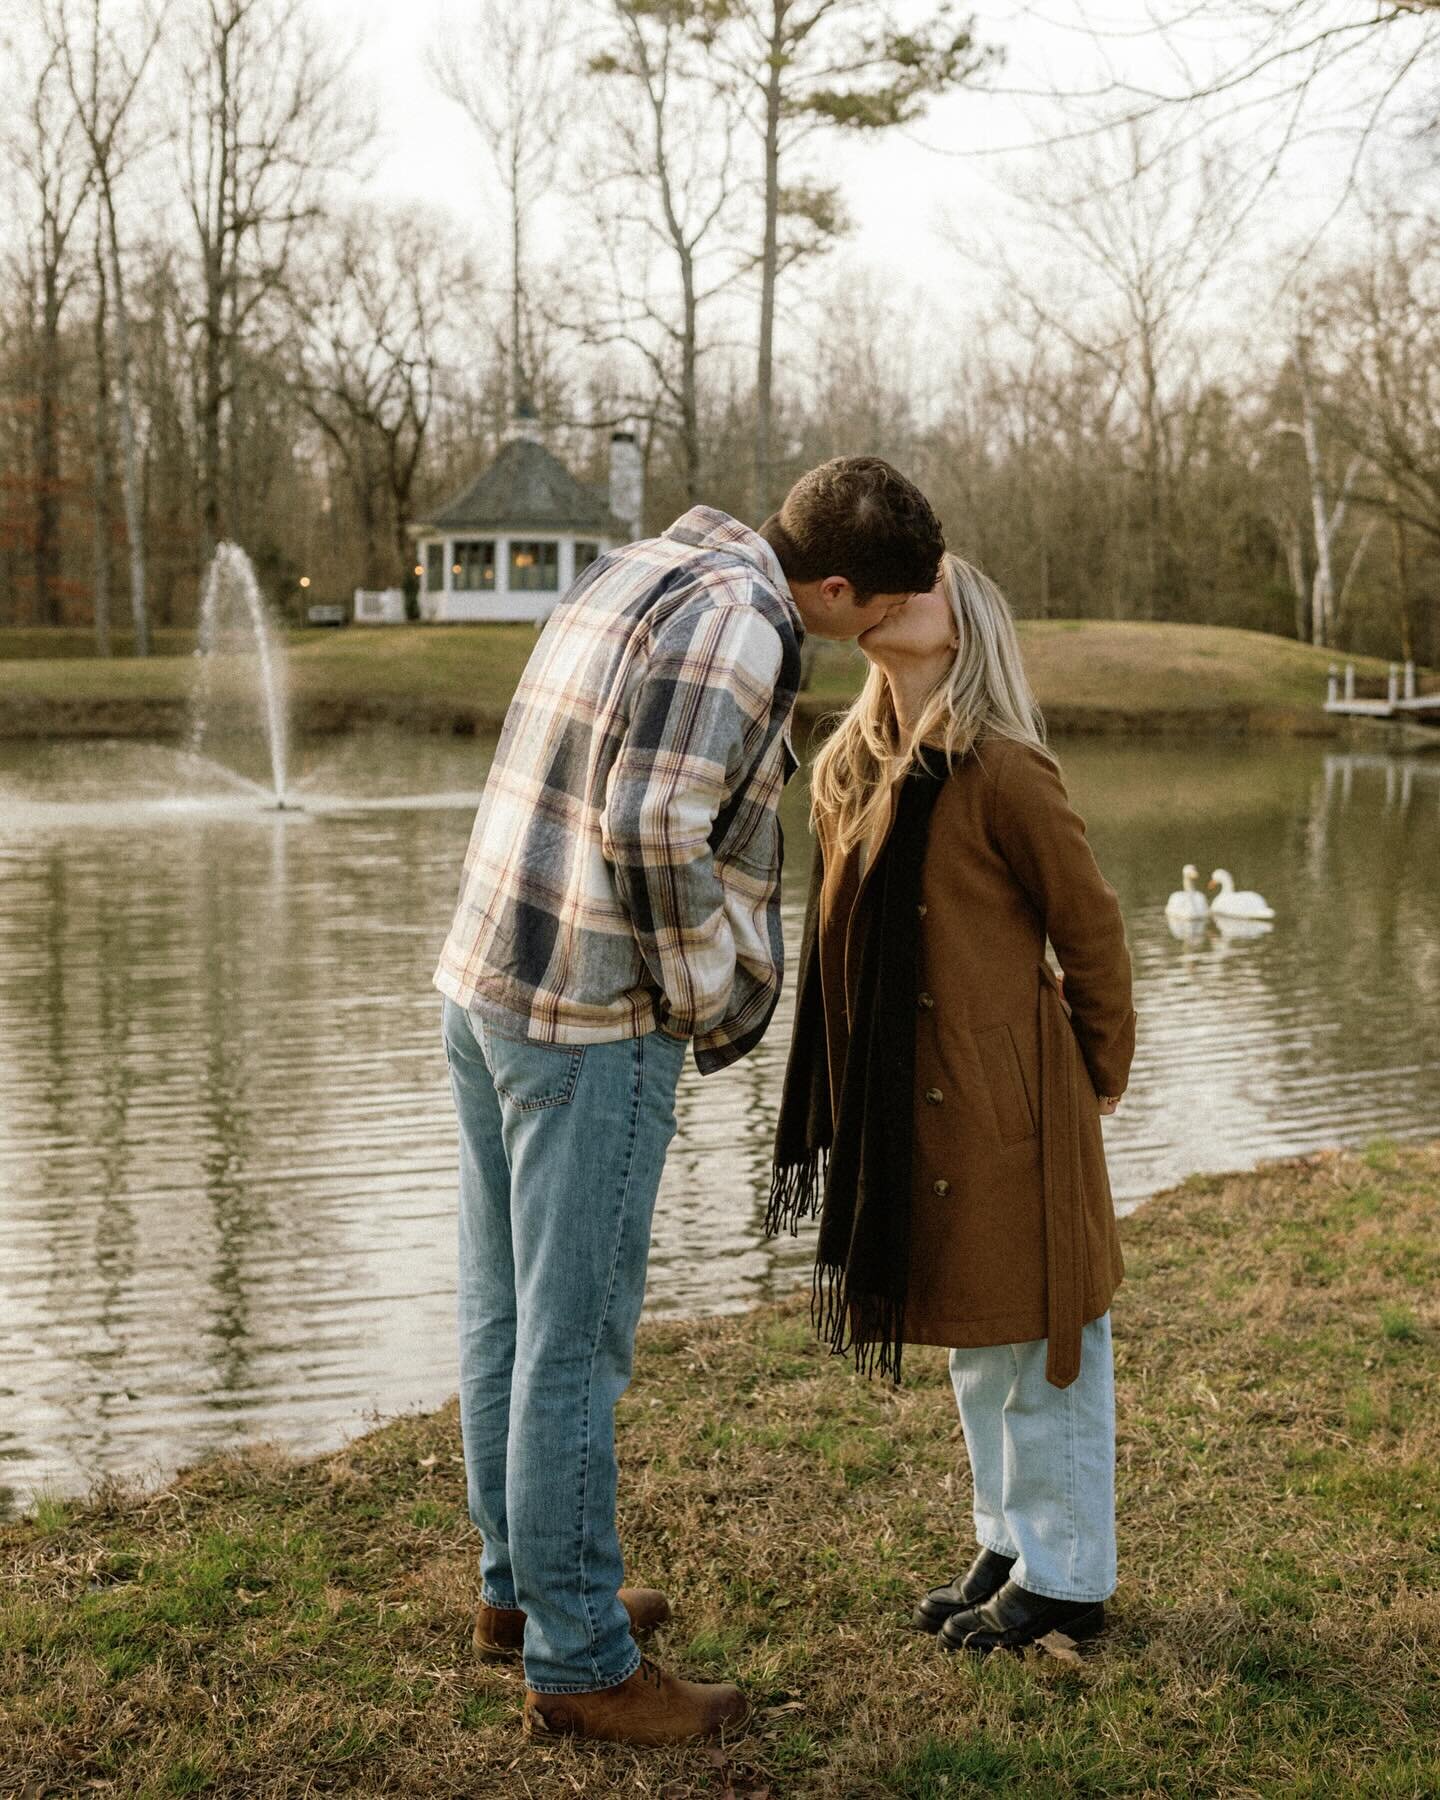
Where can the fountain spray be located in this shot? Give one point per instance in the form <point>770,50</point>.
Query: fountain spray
<point>230,592</point>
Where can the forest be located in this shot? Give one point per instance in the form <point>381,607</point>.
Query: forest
<point>1167,404</point>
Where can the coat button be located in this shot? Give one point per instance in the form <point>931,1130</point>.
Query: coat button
<point>942,1188</point>
<point>933,1096</point>
<point>925,1001</point>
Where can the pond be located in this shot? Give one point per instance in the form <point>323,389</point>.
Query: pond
<point>226,1145</point>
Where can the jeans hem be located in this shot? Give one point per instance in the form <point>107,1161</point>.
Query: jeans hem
<point>540,1687</point>
<point>997,1549</point>
<point>1049,1593</point>
<point>489,1598</point>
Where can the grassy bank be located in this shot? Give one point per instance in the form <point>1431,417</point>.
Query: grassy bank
<point>1089,675</point>
<point>268,1627</point>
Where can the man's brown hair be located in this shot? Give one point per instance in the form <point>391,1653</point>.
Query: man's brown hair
<point>858,517</point>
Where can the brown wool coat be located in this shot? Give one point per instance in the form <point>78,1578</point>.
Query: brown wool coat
<point>1012,1226</point>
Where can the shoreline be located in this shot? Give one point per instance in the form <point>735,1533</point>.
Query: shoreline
<point>165,720</point>
<point>1091,678</point>
<point>264,1619</point>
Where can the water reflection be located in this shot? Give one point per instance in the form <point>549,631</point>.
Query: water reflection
<point>227,1150</point>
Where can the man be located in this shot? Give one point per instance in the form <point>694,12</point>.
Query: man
<point>620,901</point>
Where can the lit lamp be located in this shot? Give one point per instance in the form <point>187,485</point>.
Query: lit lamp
<point>304,581</point>
<point>454,568</point>
<point>419,568</point>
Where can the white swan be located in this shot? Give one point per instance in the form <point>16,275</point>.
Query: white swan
<point>1246,904</point>
<point>1187,902</point>
<point>1239,931</point>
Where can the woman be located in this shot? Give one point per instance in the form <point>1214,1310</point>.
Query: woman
<point>943,1098</point>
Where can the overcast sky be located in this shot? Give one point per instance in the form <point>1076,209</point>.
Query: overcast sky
<point>949,174</point>
<point>931,202</point>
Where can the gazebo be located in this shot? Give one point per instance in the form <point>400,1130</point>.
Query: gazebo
<point>508,546</point>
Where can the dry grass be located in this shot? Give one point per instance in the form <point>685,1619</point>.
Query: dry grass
<point>1188,668</point>
<point>267,1627</point>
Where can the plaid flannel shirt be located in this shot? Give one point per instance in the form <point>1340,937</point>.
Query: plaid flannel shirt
<point>624,869</point>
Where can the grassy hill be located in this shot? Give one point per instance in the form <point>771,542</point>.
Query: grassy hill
<point>1090,675</point>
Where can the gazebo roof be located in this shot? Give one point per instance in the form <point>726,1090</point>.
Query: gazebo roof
<point>526,488</point>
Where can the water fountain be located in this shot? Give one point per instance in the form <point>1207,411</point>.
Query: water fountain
<point>235,619</point>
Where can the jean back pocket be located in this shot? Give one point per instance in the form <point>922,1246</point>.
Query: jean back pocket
<point>532,1076</point>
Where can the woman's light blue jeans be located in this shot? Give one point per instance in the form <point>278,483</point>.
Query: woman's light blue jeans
<point>561,1152</point>
<point>1043,1462</point>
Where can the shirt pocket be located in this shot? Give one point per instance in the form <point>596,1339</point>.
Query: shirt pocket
<point>1014,1116</point>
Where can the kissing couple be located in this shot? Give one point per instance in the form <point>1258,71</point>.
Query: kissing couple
<point>941,1105</point>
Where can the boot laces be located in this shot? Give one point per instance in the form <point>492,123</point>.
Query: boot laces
<point>649,1671</point>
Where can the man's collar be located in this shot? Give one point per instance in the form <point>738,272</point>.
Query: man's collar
<point>707,528</point>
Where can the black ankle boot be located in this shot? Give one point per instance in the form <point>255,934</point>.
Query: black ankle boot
<point>1015,1617</point>
<point>985,1576</point>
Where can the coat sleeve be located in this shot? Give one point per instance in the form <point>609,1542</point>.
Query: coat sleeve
<point>1042,839</point>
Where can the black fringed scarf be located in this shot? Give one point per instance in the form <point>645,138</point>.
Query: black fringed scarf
<point>857,1172</point>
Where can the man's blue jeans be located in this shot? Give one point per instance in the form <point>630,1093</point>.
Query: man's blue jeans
<point>561,1152</point>
<point>1043,1461</point>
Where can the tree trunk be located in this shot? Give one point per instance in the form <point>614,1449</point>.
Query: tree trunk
<point>1400,556</point>
<point>47,450</point>
<point>1154,507</point>
<point>519,394</point>
<point>690,384</point>
<point>1295,564</point>
<point>214,212</point>
<point>129,457</point>
<point>769,270</point>
<point>104,471</point>
<point>1322,591</point>
<point>210,402</point>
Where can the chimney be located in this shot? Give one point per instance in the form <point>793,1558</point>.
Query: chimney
<point>627,483</point>
<point>524,424</point>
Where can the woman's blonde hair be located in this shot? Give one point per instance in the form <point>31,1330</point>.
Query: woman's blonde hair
<point>983,693</point>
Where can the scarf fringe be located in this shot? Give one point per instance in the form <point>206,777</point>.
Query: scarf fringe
<point>871,1329</point>
<point>796,1190</point>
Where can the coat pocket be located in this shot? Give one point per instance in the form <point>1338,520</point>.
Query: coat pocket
<point>1000,1060</point>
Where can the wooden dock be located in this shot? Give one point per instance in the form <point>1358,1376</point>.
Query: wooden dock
<point>1401,702</point>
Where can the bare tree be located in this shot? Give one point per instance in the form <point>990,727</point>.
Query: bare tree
<point>1328,508</point>
<point>268,117</point>
<point>103,472</point>
<point>1150,237</point>
<point>1384,313</point>
<point>803,65</point>
<point>44,140</point>
<point>502,65</point>
<point>371,341</point>
<point>104,69</point>
<point>1261,75</point>
<point>664,182</point>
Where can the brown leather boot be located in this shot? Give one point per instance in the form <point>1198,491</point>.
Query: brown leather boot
<point>650,1707</point>
<point>500,1631</point>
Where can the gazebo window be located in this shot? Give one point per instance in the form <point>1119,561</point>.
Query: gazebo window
<point>474,565</point>
<point>534,568</point>
<point>585,554</point>
<point>434,567</point>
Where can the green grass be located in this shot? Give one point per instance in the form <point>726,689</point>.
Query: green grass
<point>267,1626</point>
<point>1087,674</point>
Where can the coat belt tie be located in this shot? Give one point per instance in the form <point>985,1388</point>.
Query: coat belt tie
<point>1063,1184</point>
